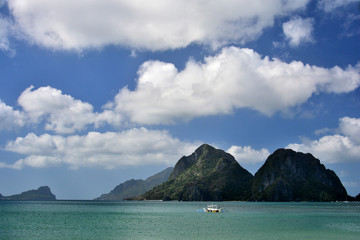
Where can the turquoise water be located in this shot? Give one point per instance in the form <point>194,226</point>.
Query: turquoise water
<point>178,220</point>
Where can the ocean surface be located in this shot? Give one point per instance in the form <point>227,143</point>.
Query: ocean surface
<point>178,220</point>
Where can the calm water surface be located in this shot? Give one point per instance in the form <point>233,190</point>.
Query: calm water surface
<point>178,220</point>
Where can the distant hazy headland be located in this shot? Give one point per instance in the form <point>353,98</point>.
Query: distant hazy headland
<point>41,194</point>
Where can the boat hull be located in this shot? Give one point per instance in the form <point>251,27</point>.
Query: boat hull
<point>212,210</point>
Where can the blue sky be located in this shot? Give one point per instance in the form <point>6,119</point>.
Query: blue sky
<point>98,92</point>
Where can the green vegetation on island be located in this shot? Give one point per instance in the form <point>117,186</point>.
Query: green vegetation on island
<point>208,174</point>
<point>211,174</point>
<point>294,176</point>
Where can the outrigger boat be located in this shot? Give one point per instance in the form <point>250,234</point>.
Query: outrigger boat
<point>213,208</point>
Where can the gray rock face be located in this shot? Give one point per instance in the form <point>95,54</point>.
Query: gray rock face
<point>294,176</point>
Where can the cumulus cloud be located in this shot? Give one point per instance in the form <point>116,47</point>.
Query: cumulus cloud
<point>61,112</point>
<point>330,5</point>
<point>234,78</point>
<point>137,146</point>
<point>151,25</point>
<point>341,147</point>
<point>9,118</point>
<point>350,127</point>
<point>248,155</point>
<point>298,31</point>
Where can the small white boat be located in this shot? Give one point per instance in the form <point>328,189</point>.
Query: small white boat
<point>213,208</point>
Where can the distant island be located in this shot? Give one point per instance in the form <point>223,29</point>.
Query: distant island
<point>41,194</point>
<point>136,187</point>
<point>294,176</point>
<point>211,174</point>
<point>208,174</point>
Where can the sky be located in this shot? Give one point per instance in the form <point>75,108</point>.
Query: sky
<point>94,93</point>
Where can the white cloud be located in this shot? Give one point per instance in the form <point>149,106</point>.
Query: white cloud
<point>350,127</point>
<point>9,118</point>
<point>235,78</point>
<point>17,165</point>
<point>330,5</point>
<point>248,155</point>
<point>4,42</point>
<point>5,32</point>
<point>343,147</point>
<point>139,24</point>
<point>298,31</point>
<point>36,145</point>
<point>137,146</point>
<point>323,131</point>
<point>62,113</point>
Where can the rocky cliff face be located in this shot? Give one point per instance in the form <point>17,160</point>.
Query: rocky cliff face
<point>294,176</point>
<point>357,198</point>
<point>208,174</point>
<point>133,188</point>
<point>41,194</point>
<point>211,174</point>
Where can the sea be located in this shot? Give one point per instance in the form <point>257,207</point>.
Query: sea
<point>178,220</point>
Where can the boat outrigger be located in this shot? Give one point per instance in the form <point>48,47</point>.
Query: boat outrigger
<point>213,208</point>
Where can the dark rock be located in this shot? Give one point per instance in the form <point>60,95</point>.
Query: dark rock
<point>211,174</point>
<point>357,198</point>
<point>192,194</point>
<point>208,174</point>
<point>166,198</point>
<point>293,176</point>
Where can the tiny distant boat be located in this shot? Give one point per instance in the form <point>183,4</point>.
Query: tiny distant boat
<point>213,208</point>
